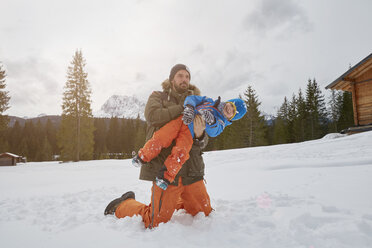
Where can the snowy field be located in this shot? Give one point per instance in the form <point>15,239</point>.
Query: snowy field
<point>307,195</point>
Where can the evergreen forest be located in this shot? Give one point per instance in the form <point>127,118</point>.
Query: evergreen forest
<point>306,116</point>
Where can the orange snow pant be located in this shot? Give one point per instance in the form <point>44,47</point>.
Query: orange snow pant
<point>193,198</point>
<point>163,138</point>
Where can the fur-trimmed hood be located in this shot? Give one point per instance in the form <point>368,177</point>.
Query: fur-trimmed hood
<point>193,90</point>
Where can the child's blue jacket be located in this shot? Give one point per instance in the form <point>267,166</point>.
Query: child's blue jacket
<point>203,102</point>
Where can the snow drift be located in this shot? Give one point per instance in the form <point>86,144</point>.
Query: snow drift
<point>311,194</point>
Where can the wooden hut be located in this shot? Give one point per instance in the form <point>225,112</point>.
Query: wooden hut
<point>8,159</point>
<point>358,81</point>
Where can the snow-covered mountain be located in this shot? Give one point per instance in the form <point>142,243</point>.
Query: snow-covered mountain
<point>123,107</point>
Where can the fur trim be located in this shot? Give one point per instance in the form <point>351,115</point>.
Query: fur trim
<point>192,88</point>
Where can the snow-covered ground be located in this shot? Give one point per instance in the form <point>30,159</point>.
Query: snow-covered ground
<point>314,194</point>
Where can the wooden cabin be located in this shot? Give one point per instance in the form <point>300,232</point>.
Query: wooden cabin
<point>9,159</point>
<point>358,81</point>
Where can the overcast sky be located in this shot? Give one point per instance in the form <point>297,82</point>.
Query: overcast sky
<point>130,46</point>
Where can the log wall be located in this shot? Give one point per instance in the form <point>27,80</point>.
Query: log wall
<point>363,99</point>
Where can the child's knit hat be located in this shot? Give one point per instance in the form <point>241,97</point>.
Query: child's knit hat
<point>241,108</point>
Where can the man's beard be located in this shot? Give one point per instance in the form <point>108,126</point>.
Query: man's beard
<point>179,89</point>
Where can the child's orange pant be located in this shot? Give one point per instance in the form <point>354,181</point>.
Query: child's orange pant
<point>194,199</point>
<point>163,138</point>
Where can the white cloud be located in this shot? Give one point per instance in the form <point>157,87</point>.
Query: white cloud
<point>130,46</point>
<point>277,17</point>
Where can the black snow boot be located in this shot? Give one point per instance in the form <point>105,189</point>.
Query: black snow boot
<point>111,207</point>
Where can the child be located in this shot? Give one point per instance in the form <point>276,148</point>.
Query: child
<point>216,114</point>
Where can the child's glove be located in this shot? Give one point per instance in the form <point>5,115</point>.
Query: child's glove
<point>160,181</point>
<point>137,161</point>
<point>188,114</point>
<point>207,116</point>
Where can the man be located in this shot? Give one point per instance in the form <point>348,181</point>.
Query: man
<point>188,190</point>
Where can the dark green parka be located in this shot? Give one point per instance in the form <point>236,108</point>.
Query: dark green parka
<point>162,107</point>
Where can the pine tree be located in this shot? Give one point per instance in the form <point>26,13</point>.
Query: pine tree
<point>4,105</point>
<point>346,118</point>
<point>124,138</point>
<point>75,137</point>
<point>44,153</point>
<point>292,117</point>
<point>113,136</point>
<point>28,134</point>
<point>335,106</point>
<point>281,124</point>
<point>23,148</point>
<point>299,124</point>
<point>15,137</point>
<point>254,122</point>
<point>40,136</point>
<point>270,129</point>
<point>128,136</point>
<point>317,115</point>
<point>100,132</point>
<point>51,134</point>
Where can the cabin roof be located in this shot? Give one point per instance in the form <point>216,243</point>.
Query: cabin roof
<point>350,75</point>
<point>8,154</point>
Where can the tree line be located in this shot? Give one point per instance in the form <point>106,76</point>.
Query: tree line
<point>306,116</point>
<point>4,105</point>
<point>114,138</point>
<point>79,136</point>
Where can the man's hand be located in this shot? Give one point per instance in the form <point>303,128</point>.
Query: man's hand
<point>199,126</point>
